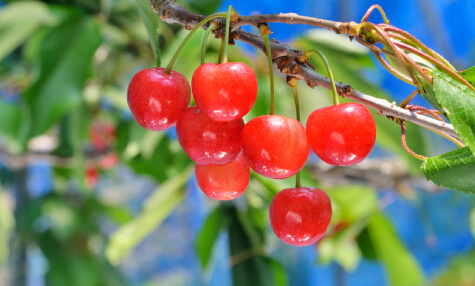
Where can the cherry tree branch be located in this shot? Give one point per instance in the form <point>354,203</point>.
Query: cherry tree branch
<point>286,58</point>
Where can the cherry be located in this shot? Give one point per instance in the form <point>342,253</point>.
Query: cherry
<point>224,91</point>
<point>102,135</point>
<point>342,134</point>
<point>224,182</point>
<point>275,146</point>
<point>300,216</point>
<point>207,141</point>
<point>156,99</point>
<point>91,176</point>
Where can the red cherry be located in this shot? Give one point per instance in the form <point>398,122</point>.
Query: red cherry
<point>156,99</point>
<point>342,134</point>
<point>300,216</point>
<point>102,135</point>
<point>91,176</point>
<point>207,141</point>
<point>275,146</point>
<point>224,182</point>
<point>224,91</point>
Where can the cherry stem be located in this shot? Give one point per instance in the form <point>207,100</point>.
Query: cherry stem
<point>385,40</point>
<point>210,29</point>
<point>298,184</point>
<point>292,82</point>
<point>370,10</point>
<point>403,141</point>
<point>224,56</point>
<point>221,49</point>
<point>336,101</point>
<point>296,99</point>
<point>420,109</point>
<point>265,31</point>
<point>169,67</point>
<point>408,99</point>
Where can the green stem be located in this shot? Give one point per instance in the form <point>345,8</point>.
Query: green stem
<point>265,31</point>
<point>296,99</point>
<point>210,29</point>
<point>336,101</point>
<point>408,99</point>
<point>370,10</point>
<point>224,56</point>
<point>169,67</point>
<point>410,39</point>
<point>293,86</point>
<point>221,50</point>
<point>297,180</point>
<point>384,39</point>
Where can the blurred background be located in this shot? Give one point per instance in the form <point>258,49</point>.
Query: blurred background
<point>88,197</point>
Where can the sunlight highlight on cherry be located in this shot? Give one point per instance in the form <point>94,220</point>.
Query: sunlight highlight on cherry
<point>342,134</point>
<point>300,216</point>
<point>157,99</point>
<point>275,146</point>
<point>207,141</point>
<point>224,91</point>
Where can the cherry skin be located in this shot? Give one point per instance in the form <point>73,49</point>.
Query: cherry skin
<point>156,99</point>
<point>342,134</point>
<point>224,91</point>
<point>207,141</point>
<point>300,216</point>
<point>224,182</point>
<point>275,146</point>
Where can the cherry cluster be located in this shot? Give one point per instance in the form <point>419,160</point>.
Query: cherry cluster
<point>214,135</point>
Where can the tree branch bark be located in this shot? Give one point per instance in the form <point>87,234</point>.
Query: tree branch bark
<point>286,58</point>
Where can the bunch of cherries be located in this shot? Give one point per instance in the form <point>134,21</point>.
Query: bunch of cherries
<point>214,135</point>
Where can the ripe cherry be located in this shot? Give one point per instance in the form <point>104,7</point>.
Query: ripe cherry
<point>300,216</point>
<point>207,141</point>
<point>224,182</point>
<point>224,91</point>
<point>342,134</point>
<point>156,99</point>
<point>275,146</point>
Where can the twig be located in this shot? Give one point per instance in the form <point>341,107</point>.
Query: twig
<point>286,58</point>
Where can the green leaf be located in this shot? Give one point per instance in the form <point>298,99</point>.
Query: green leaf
<point>249,266</point>
<point>352,206</point>
<point>353,203</point>
<point>429,94</point>
<point>11,119</point>
<point>156,208</point>
<point>469,75</point>
<point>279,275</point>
<point>6,227</point>
<point>150,20</point>
<point>207,236</point>
<point>65,59</point>
<point>366,245</point>
<point>342,248</point>
<point>453,170</point>
<point>205,7</point>
<point>458,100</point>
<point>18,21</point>
<point>401,267</point>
